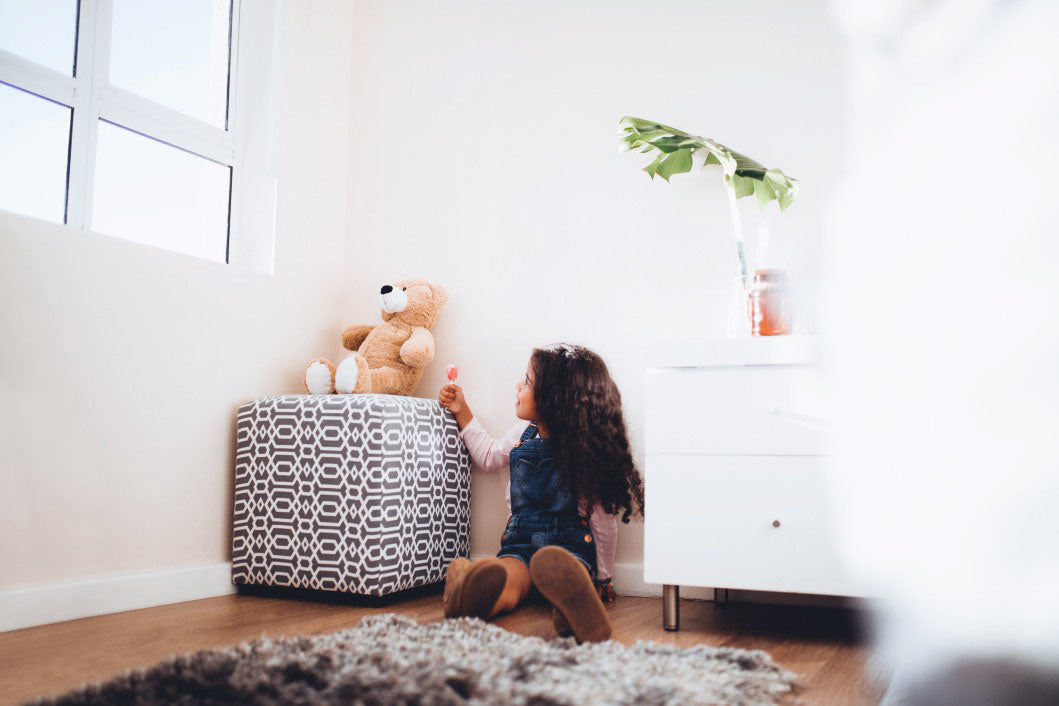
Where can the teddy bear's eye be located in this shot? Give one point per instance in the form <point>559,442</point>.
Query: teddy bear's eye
<point>404,289</point>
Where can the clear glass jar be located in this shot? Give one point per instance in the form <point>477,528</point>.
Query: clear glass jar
<point>769,303</point>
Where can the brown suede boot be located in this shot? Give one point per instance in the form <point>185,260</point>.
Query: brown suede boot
<point>454,575</point>
<point>562,628</point>
<point>482,585</point>
<point>565,582</point>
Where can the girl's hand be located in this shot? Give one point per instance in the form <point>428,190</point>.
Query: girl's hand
<point>451,398</point>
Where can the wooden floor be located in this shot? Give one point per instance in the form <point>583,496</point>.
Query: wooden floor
<point>825,647</point>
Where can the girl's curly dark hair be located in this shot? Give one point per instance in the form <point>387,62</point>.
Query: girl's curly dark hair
<point>580,406</point>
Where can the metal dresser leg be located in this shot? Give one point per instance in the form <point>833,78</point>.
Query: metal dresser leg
<point>670,606</point>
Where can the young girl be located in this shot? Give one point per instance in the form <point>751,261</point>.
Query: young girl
<point>571,473</point>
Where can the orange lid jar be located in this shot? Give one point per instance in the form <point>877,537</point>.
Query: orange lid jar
<point>768,303</point>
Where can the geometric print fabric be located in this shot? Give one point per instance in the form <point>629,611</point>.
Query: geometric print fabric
<point>366,494</point>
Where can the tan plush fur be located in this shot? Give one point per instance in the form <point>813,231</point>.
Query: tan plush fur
<point>391,356</point>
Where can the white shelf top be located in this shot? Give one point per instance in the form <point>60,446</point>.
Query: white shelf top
<point>750,350</point>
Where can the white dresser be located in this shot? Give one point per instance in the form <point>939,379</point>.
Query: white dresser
<point>736,494</point>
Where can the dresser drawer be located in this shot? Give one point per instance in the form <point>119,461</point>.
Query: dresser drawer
<point>762,409</point>
<point>757,523</point>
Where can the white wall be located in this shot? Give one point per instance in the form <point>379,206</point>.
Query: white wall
<point>122,365</point>
<point>483,147</point>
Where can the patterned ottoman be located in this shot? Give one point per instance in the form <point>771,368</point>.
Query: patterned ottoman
<point>367,494</point>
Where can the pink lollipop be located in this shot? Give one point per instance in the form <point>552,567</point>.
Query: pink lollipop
<point>453,372</point>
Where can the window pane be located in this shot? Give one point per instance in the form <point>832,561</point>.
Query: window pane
<point>174,52</point>
<point>40,30</point>
<point>155,194</point>
<point>34,149</point>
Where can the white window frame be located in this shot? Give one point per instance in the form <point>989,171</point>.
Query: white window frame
<point>92,98</point>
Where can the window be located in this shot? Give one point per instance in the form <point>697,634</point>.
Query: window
<point>116,116</point>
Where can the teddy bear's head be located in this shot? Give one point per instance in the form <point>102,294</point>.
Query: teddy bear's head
<point>415,302</point>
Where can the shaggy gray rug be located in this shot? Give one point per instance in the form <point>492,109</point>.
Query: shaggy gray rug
<point>390,659</point>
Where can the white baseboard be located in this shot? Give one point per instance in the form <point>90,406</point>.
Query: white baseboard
<point>628,581</point>
<point>53,603</point>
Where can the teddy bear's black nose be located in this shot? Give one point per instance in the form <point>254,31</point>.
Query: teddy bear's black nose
<point>386,289</point>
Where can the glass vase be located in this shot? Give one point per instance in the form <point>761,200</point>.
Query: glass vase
<point>738,324</point>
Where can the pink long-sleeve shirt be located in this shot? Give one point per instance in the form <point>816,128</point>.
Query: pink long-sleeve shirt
<point>495,454</point>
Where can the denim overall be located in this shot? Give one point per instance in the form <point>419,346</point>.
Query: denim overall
<point>542,513</point>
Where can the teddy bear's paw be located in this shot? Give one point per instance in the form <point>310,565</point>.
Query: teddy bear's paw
<point>346,375</point>
<point>319,378</point>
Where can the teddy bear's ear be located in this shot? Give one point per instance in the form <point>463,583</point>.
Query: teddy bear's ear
<point>441,295</point>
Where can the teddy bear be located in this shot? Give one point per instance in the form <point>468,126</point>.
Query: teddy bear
<point>389,358</point>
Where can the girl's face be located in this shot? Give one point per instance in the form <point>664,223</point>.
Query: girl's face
<point>525,407</point>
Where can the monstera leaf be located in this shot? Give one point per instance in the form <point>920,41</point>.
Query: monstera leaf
<point>675,147</point>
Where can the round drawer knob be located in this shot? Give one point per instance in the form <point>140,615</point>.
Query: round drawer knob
<point>775,523</point>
